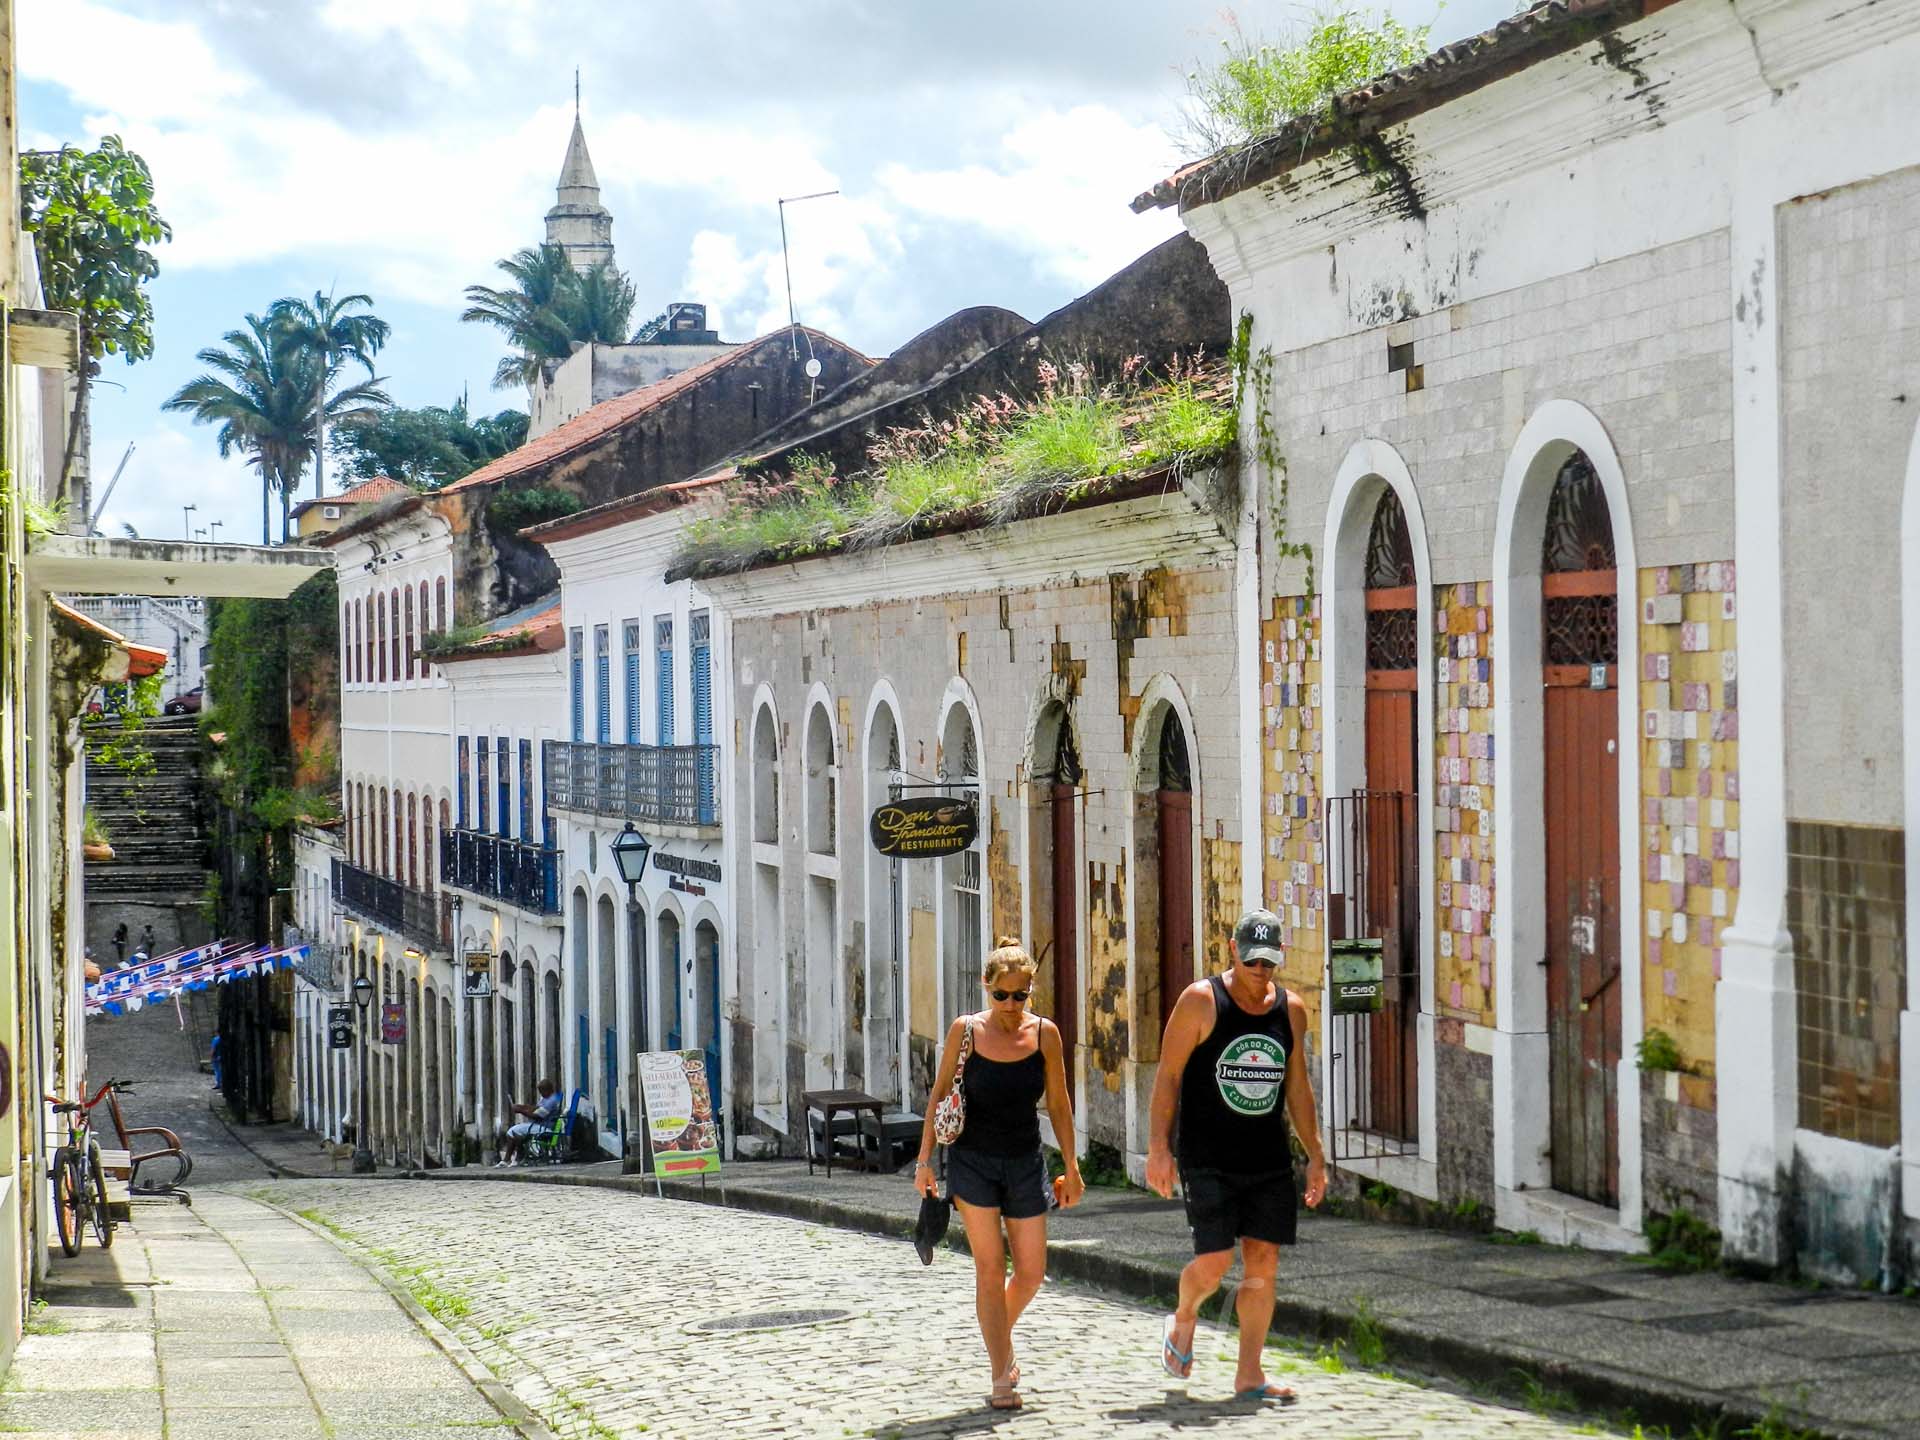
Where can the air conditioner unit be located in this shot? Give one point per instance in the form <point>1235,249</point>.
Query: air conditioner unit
<point>330,512</point>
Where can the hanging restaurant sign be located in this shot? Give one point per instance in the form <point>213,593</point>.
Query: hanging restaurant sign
<point>479,974</point>
<point>924,827</point>
<point>1359,985</point>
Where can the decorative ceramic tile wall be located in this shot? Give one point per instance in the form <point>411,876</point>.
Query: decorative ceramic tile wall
<point>1294,864</point>
<point>1463,801</point>
<point>1690,797</point>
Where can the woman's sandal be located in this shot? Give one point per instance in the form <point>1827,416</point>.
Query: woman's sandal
<point>1268,1394</point>
<point>1004,1396</point>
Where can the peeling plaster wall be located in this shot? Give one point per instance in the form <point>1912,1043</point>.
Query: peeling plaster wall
<point>1094,643</point>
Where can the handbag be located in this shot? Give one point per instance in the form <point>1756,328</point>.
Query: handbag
<point>931,1226</point>
<point>950,1115</point>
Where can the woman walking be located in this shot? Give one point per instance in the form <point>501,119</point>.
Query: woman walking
<point>1007,1061</point>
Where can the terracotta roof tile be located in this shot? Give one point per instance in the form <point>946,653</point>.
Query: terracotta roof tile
<point>609,415</point>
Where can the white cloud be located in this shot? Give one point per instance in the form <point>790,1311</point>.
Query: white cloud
<point>172,466</point>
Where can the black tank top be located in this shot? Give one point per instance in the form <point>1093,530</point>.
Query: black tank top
<point>1002,1104</point>
<point>1232,1116</point>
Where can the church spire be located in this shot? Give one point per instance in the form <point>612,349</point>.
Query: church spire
<point>578,223</point>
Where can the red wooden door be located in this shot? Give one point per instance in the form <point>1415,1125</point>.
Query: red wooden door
<point>1176,897</point>
<point>1066,929</point>
<point>1392,776</point>
<point>1583,929</point>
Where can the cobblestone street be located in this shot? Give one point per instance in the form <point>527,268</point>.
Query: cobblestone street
<point>586,1303</point>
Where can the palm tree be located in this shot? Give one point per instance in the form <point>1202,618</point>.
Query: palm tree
<point>549,308</point>
<point>263,397</point>
<point>330,337</point>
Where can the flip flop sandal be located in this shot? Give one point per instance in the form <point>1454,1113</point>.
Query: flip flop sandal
<point>1268,1393</point>
<point>1004,1397</point>
<point>1177,1363</point>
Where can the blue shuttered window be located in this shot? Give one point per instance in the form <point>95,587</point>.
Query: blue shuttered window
<point>526,792</point>
<point>663,678</point>
<point>503,778</point>
<point>630,662</point>
<point>576,679</point>
<point>700,643</point>
<point>602,688</point>
<point>484,752</point>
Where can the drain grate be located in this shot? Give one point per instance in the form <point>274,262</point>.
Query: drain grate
<point>773,1320</point>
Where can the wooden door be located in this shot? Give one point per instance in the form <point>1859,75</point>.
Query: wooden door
<point>1392,777</point>
<point>1176,896</point>
<point>1066,928</point>
<point>1582,800</point>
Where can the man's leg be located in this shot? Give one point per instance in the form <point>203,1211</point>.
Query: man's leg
<point>1199,1280</point>
<point>1254,1306</point>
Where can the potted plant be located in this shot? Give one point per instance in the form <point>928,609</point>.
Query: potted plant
<point>93,838</point>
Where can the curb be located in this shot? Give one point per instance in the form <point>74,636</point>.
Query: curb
<point>1484,1364</point>
<point>497,1394</point>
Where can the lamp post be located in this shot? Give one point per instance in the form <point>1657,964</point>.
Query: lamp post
<point>186,519</point>
<point>362,1151</point>
<point>630,851</point>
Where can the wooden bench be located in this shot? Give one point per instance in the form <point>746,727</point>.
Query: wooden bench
<point>171,1149</point>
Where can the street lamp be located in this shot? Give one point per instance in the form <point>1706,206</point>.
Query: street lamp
<point>630,851</point>
<point>186,519</point>
<point>362,1151</point>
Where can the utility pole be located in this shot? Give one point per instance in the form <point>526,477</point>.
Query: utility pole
<point>793,324</point>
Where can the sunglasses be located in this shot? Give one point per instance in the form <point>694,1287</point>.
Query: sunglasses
<point>1020,995</point>
<point>1259,962</point>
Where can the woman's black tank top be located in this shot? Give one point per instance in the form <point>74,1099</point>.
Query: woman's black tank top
<point>1233,1113</point>
<point>1003,1097</point>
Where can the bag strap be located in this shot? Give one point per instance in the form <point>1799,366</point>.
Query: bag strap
<point>966,1049</point>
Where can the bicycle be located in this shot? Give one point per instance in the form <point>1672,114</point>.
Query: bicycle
<point>79,1178</point>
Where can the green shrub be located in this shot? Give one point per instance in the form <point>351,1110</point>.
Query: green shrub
<point>1657,1050</point>
<point>517,509</point>
<point>1682,1241</point>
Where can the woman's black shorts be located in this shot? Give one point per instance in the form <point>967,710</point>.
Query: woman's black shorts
<point>1015,1185</point>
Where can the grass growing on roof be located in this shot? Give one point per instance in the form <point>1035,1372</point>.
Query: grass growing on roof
<point>1004,457</point>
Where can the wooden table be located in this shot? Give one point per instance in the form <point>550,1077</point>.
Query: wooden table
<point>831,1102</point>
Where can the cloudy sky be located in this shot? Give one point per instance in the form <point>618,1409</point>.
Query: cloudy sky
<point>985,153</point>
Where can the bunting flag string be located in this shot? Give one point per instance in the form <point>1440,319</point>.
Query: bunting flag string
<point>127,992</point>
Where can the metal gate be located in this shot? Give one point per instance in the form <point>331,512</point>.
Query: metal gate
<point>1373,1081</point>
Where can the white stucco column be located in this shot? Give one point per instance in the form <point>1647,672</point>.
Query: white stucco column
<point>1754,1001</point>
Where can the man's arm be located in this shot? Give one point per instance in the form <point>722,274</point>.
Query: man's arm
<point>1188,1025</point>
<point>1306,1122</point>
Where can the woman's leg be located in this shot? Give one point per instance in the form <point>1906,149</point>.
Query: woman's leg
<point>1027,1240</point>
<point>989,1281</point>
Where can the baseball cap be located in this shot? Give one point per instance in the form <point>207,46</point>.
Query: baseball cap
<point>1258,933</point>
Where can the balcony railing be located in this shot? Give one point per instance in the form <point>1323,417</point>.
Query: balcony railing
<point>672,783</point>
<point>392,905</point>
<point>523,875</point>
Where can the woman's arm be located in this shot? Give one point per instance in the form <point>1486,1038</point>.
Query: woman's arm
<point>923,1179</point>
<point>1060,1108</point>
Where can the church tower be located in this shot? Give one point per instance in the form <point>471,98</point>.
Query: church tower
<point>578,223</point>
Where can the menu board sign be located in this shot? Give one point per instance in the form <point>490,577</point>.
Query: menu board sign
<point>681,1129</point>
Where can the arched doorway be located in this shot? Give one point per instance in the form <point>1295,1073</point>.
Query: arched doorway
<point>669,978</point>
<point>886,914</point>
<point>765,935</point>
<point>965,927</point>
<point>550,1006</point>
<point>606,1013</point>
<point>639,1020</point>
<point>582,988</point>
<point>1172,801</point>
<point>706,1001</point>
<point>825,1060</point>
<point>1055,872</point>
<point>448,1102</point>
<point>430,1062</point>
<point>1580,653</point>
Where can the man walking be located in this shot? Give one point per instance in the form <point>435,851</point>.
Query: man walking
<point>1226,1069</point>
<point>120,945</point>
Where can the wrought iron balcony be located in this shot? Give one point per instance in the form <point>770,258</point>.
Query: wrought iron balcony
<point>671,783</point>
<point>391,905</point>
<point>523,875</point>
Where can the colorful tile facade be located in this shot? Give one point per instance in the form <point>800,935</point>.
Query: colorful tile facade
<point>1463,801</point>
<point>1690,795</point>
<point>1294,851</point>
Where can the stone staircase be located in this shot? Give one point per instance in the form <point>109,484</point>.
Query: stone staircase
<point>155,825</point>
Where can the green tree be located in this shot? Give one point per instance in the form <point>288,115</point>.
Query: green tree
<point>428,447</point>
<point>330,336</point>
<point>1256,88</point>
<point>548,309</point>
<point>262,396</point>
<point>93,217</point>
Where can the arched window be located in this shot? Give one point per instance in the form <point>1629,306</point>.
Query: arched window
<point>386,833</point>
<point>393,605</point>
<point>407,648</point>
<point>413,829</point>
<point>380,615</point>
<point>440,602</point>
<point>963,932</point>
<point>399,871</point>
<point>1393,639</point>
<point>1582,615</point>
<point>366,640</point>
<point>420,658</point>
<point>346,643</point>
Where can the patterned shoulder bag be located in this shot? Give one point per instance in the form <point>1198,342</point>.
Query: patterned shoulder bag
<point>950,1115</point>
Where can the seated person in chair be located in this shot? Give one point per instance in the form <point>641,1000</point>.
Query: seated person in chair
<point>539,1117</point>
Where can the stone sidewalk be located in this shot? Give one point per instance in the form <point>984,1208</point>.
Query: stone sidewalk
<point>1609,1333</point>
<point>224,1320</point>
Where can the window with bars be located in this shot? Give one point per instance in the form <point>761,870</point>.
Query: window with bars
<point>466,777</point>
<point>484,755</point>
<point>602,687</point>
<point>700,662</point>
<point>663,678</point>
<point>503,781</point>
<point>630,676</point>
<point>576,683</point>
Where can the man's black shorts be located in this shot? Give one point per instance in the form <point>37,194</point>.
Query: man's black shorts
<point>1223,1207</point>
